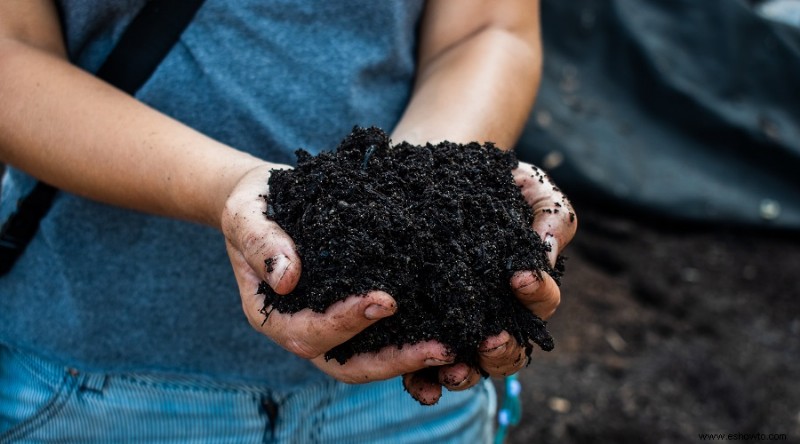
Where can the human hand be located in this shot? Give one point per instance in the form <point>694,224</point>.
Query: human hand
<point>251,239</point>
<point>555,222</point>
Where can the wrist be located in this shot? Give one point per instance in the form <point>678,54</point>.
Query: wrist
<point>245,170</point>
<point>206,190</point>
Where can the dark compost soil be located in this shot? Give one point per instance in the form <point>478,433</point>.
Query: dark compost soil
<point>440,228</point>
<point>667,332</point>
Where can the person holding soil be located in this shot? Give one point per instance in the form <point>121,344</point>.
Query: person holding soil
<point>120,321</point>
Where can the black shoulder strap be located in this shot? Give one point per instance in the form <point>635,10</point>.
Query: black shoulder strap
<point>146,41</point>
<point>143,45</point>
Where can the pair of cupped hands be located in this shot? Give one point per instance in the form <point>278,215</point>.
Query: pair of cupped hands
<point>251,239</point>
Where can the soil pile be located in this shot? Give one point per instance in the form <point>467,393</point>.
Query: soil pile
<point>440,228</point>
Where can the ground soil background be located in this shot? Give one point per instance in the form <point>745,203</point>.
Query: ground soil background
<point>668,331</point>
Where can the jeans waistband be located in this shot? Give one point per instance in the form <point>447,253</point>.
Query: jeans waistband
<point>53,374</point>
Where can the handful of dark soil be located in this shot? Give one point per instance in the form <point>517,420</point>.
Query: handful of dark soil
<point>440,228</point>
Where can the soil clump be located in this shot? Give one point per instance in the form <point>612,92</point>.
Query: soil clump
<point>440,228</point>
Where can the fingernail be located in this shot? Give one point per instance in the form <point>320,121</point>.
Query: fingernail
<point>452,383</point>
<point>377,311</point>
<point>433,362</point>
<point>461,384</point>
<point>276,268</point>
<point>528,283</point>
<point>496,351</point>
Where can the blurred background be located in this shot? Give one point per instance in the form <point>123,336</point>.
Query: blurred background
<point>674,126</point>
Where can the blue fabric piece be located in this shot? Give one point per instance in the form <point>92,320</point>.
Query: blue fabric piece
<point>679,110</point>
<point>41,401</point>
<point>109,289</point>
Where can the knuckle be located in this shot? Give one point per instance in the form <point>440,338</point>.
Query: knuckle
<point>253,242</point>
<point>505,363</point>
<point>302,348</point>
<point>256,324</point>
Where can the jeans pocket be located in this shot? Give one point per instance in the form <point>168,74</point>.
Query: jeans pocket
<point>32,392</point>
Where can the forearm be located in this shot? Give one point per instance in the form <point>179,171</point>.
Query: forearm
<point>78,133</point>
<point>480,88</point>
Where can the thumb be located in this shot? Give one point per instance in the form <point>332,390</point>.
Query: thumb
<point>270,253</point>
<point>268,250</point>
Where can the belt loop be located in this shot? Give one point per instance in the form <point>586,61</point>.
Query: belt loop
<point>94,382</point>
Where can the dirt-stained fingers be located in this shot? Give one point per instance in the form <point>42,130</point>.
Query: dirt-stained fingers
<point>268,251</point>
<point>501,355</point>
<point>457,377</point>
<point>554,217</point>
<point>387,363</point>
<point>423,386</point>
<point>309,334</point>
<point>537,291</point>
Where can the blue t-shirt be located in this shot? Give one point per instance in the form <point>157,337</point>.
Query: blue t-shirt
<point>109,289</point>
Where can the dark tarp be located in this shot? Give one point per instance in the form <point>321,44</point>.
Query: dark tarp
<point>680,109</point>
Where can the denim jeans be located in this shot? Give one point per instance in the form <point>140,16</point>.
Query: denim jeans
<point>44,402</point>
